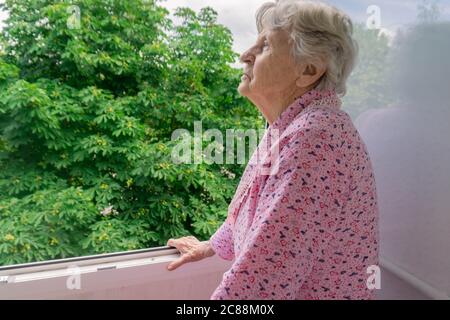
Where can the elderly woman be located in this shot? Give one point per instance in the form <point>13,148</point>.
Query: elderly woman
<point>307,228</point>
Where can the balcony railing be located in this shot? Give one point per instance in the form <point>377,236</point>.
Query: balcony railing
<point>142,274</point>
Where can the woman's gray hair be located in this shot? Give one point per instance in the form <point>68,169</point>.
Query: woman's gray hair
<point>317,31</point>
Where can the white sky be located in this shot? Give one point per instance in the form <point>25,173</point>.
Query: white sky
<point>239,15</point>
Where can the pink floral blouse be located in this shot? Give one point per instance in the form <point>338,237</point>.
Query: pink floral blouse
<point>303,223</point>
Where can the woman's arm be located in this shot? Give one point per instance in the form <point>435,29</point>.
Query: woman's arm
<point>286,238</point>
<point>222,241</point>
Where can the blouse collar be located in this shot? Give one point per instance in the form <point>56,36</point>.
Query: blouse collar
<point>326,98</point>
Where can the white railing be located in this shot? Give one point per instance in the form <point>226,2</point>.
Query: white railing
<point>142,274</point>
<point>139,274</point>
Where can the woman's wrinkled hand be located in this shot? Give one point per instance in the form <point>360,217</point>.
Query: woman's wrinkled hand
<point>191,250</point>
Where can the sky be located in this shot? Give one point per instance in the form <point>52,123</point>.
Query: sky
<point>239,15</point>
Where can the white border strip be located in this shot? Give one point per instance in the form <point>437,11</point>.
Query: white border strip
<point>412,280</point>
<point>85,261</point>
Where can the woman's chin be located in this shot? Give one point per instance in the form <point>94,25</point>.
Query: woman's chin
<point>244,86</point>
<point>243,89</point>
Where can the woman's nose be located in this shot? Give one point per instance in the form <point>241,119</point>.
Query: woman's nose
<point>246,57</point>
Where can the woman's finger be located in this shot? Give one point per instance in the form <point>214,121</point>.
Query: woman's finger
<point>171,242</point>
<point>178,243</point>
<point>177,263</point>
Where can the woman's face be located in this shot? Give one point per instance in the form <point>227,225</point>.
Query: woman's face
<point>269,67</point>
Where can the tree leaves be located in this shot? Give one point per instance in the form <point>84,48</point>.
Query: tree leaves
<point>86,119</point>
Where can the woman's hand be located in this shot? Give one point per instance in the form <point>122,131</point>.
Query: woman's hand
<point>191,250</point>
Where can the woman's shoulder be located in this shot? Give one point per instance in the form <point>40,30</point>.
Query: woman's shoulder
<point>316,120</point>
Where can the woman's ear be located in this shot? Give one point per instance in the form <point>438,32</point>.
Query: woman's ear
<point>310,73</point>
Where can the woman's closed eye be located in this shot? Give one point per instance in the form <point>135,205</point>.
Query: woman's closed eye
<point>265,45</point>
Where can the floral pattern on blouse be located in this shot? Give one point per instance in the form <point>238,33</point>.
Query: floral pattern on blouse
<point>308,227</point>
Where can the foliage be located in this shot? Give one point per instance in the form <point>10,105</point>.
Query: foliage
<point>86,117</point>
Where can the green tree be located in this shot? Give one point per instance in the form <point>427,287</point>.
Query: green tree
<point>87,110</point>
